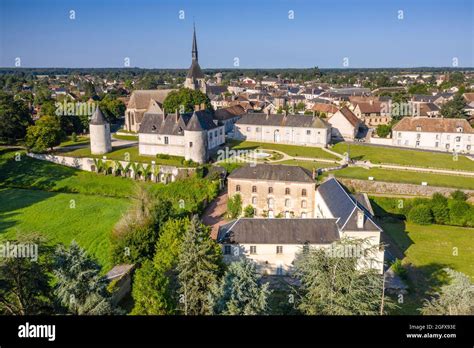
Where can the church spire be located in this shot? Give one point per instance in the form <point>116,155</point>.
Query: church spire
<point>195,49</point>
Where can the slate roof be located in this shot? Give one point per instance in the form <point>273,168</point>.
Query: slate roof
<point>280,120</point>
<point>98,117</point>
<point>436,125</point>
<point>279,231</point>
<point>194,71</point>
<point>344,207</point>
<point>173,124</point>
<point>277,172</point>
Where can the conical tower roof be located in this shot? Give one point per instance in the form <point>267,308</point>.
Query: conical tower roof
<point>194,124</point>
<point>98,117</point>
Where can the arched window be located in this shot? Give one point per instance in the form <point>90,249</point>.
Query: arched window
<point>287,191</point>
<point>254,200</point>
<point>237,188</point>
<point>303,192</point>
<point>271,202</point>
<point>287,203</point>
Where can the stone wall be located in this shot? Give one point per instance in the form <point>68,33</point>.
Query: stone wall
<point>391,188</point>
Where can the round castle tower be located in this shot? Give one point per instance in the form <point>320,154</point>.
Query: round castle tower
<point>195,137</point>
<point>99,130</point>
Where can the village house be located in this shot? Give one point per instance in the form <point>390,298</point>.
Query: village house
<point>345,125</point>
<point>273,243</point>
<point>275,190</point>
<point>441,134</point>
<point>282,128</point>
<point>372,113</point>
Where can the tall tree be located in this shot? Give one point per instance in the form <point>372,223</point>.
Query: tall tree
<point>151,291</point>
<point>25,283</point>
<point>14,118</point>
<point>199,267</point>
<point>44,135</point>
<point>332,282</point>
<point>240,292</point>
<point>80,287</point>
<point>455,298</point>
<point>454,108</point>
<point>185,99</point>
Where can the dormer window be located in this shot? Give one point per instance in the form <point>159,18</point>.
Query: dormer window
<point>459,129</point>
<point>418,128</point>
<point>153,128</point>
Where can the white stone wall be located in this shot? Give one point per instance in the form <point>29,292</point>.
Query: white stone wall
<point>266,257</point>
<point>285,135</point>
<point>215,137</point>
<point>460,142</point>
<point>341,127</point>
<point>153,144</point>
<point>100,139</point>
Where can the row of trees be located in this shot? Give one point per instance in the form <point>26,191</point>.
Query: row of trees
<point>79,288</point>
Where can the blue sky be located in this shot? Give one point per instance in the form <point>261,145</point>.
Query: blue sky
<point>259,32</point>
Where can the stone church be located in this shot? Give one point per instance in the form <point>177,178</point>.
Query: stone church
<point>142,101</point>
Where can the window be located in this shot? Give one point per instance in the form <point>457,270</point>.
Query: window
<point>227,249</point>
<point>305,247</point>
<point>287,191</point>
<point>257,129</point>
<point>210,135</point>
<point>303,215</point>
<point>254,200</point>
<point>417,143</point>
<point>303,204</point>
<point>270,190</point>
<point>458,139</point>
<point>215,133</point>
<point>418,129</point>
<point>253,249</point>
<point>270,214</point>
<point>308,132</point>
<point>287,214</point>
<point>220,131</point>
<point>468,147</point>
<point>436,144</point>
<point>254,189</point>
<point>237,188</point>
<point>279,270</point>
<point>270,202</point>
<point>448,137</point>
<point>459,129</point>
<point>190,144</point>
<point>167,140</point>
<point>287,203</point>
<point>248,129</point>
<point>418,136</point>
<point>447,146</point>
<point>437,136</point>
<point>303,192</point>
<point>399,134</point>
<point>279,249</point>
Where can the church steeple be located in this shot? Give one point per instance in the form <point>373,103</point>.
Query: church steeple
<point>195,49</point>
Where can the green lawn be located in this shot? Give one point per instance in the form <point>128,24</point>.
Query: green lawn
<point>408,177</point>
<point>404,157</point>
<point>80,141</point>
<point>129,153</point>
<point>291,150</point>
<point>125,137</point>
<point>307,164</point>
<point>61,217</point>
<point>47,176</point>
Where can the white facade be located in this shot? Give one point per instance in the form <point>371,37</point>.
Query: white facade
<point>284,135</point>
<point>458,142</point>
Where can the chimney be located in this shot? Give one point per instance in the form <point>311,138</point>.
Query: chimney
<point>371,102</point>
<point>203,106</point>
<point>360,219</point>
<point>177,115</point>
<point>268,113</point>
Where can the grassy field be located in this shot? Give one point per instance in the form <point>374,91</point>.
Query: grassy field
<point>125,137</point>
<point>427,250</point>
<point>404,157</point>
<point>47,176</point>
<point>291,150</point>
<point>129,153</point>
<point>61,217</point>
<point>408,177</point>
<point>307,164</point>
<point>80,140</point>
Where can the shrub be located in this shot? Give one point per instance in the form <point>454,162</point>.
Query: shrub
<point>383,130</point>
<point>162,156</point>
<point>399,270</point>
<point>234,206</point>
<point>458,195</point>
<point>420,214</point>
<point>439,208</point>
<point>249,211</point>
<point>460,213</point>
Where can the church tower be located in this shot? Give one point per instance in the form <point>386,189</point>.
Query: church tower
<point>195,78</point>
<point>99,130</point>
